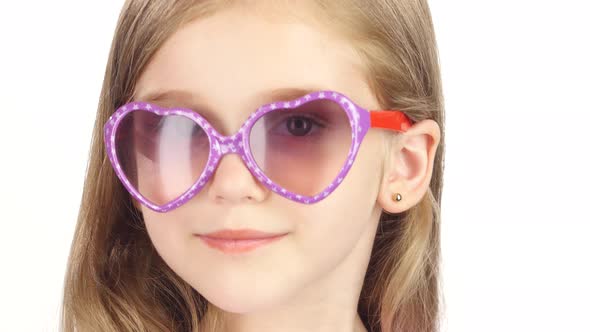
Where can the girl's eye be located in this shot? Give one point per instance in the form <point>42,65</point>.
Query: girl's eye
<point>297,125</point>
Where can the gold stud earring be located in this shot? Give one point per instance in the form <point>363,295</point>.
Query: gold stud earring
<point>397,197</point>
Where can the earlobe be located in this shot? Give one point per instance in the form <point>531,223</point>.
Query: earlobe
<point>409,165</point>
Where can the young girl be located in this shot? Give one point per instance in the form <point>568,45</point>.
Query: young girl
<point>263,166</point>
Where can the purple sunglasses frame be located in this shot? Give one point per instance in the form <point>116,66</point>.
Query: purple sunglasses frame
<point>360,121</point>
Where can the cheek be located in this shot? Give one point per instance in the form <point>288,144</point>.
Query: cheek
<point>333,228</point>
<point>170,238</point>
<point>347,213</point>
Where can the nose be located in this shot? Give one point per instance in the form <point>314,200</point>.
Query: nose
<point>233,183</point>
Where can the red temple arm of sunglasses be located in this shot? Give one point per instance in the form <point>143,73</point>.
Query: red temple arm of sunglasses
<point>396,120</point>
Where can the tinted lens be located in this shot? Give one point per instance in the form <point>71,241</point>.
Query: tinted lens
<point>302,149</point>
<point>162,156</point>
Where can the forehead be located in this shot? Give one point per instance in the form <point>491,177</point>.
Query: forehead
<point>233,58</point>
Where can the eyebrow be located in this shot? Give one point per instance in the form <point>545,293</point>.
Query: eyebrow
<point>194,101</point>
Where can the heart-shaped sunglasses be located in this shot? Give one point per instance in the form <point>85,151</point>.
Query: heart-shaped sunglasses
<point>300,149</point>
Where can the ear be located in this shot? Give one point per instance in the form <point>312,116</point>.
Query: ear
<point>408,166</point>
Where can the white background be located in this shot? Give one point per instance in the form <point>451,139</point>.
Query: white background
<point>515,204</point>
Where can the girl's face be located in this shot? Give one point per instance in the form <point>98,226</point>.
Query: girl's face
<point>328,244</point>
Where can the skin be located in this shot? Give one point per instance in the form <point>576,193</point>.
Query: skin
<point>311,279</point>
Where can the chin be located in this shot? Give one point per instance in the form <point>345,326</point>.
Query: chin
<point>244,296</point>
<point>242,303</point>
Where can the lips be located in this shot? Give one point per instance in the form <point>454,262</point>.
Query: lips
<point>239,241</point>
<point>241,234</point>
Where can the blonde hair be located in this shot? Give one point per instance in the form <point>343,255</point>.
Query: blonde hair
<point>116,281</point>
